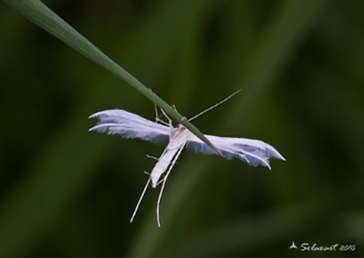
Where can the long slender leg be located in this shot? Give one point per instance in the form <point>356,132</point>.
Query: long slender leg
<point>157,117</point>
<point>156,112</point>
<point>139,201</point>
<point>165,180</point>
<point>169,120</point>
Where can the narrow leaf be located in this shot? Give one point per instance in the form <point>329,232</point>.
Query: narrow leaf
<point>45,18</point>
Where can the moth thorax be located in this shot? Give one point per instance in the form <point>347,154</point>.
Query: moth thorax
<point>177,131</point>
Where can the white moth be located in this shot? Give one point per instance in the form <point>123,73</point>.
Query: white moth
<point>130,125</point>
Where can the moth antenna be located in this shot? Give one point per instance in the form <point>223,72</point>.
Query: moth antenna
<point>213,106</point>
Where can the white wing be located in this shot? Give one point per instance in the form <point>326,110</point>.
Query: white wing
<point>129,125</point>
<point>254,152</point>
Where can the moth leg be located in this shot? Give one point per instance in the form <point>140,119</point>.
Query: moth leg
<point>156,112</point>
<point>139,201</point>
<point>158,117</point>
<point>152,157</point>
<point>160,181</point>
<point>183,118</point>
<point>169,120</point>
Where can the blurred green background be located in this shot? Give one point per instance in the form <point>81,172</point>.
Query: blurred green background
<point>65,192</point>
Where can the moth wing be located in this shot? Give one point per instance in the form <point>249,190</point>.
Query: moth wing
<point>129,125</point>
<point>254,152</point>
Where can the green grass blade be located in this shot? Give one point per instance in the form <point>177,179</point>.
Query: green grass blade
<point>45,18</point>
<point>258,79</point>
